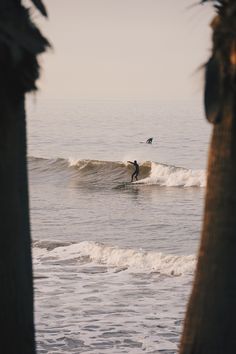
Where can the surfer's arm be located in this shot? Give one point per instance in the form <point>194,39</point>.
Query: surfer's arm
<point>130,162</point>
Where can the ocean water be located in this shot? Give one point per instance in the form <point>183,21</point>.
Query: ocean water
<point>113,261</point>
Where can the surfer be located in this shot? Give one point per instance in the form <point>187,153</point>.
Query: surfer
<point>136,171</point>
<point>149,141</point>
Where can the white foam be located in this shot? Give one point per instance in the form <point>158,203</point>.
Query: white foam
<point>135,260</point>
<point>72,161</point>
<point>171,176</point>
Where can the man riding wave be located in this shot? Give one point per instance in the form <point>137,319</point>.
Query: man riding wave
<point>136,171</point>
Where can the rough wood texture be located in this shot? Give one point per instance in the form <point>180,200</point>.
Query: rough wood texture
<point>20,43</point>
<point>210,319</point>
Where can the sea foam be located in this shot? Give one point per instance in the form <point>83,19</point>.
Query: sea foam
<point>172,176</point>
<point>123,259</point>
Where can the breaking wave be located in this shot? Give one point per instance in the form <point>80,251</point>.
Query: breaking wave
<point>113,172</point>
<point>111,256</point>
<point>172,176</point>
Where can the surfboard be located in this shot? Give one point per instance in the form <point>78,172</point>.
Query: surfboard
<point>133,184</point>
<point>123,185</point>
<point>138,183</point>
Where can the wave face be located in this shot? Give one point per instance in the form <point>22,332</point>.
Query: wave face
<point>114,172</point>
<point>137,261</point>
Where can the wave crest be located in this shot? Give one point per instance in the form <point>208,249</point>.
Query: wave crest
<point>111,256</point>
<point>172,176</point>
<point>110,172</point>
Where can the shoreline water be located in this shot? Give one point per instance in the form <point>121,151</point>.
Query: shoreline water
<point>113,267</point>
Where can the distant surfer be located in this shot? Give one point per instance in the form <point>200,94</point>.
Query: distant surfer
<point>136,171</point>
<point>149,141</point>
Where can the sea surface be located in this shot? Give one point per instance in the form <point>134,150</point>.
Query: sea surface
<point>114,261</point>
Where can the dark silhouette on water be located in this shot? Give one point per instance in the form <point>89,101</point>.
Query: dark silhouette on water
<point>149,141</point>
<point>210,319</point>
<point>20,43</point>
<point>136,171</point>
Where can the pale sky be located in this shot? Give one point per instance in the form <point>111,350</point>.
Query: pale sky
<point>125,49</point>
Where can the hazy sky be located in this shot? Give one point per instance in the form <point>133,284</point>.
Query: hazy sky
<point>112,49</point>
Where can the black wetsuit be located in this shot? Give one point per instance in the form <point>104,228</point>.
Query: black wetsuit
<point>149,141</point>
<point>136,172</point>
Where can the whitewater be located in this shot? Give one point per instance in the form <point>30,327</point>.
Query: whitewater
<point>114,262</point>
<point>108,172</point>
